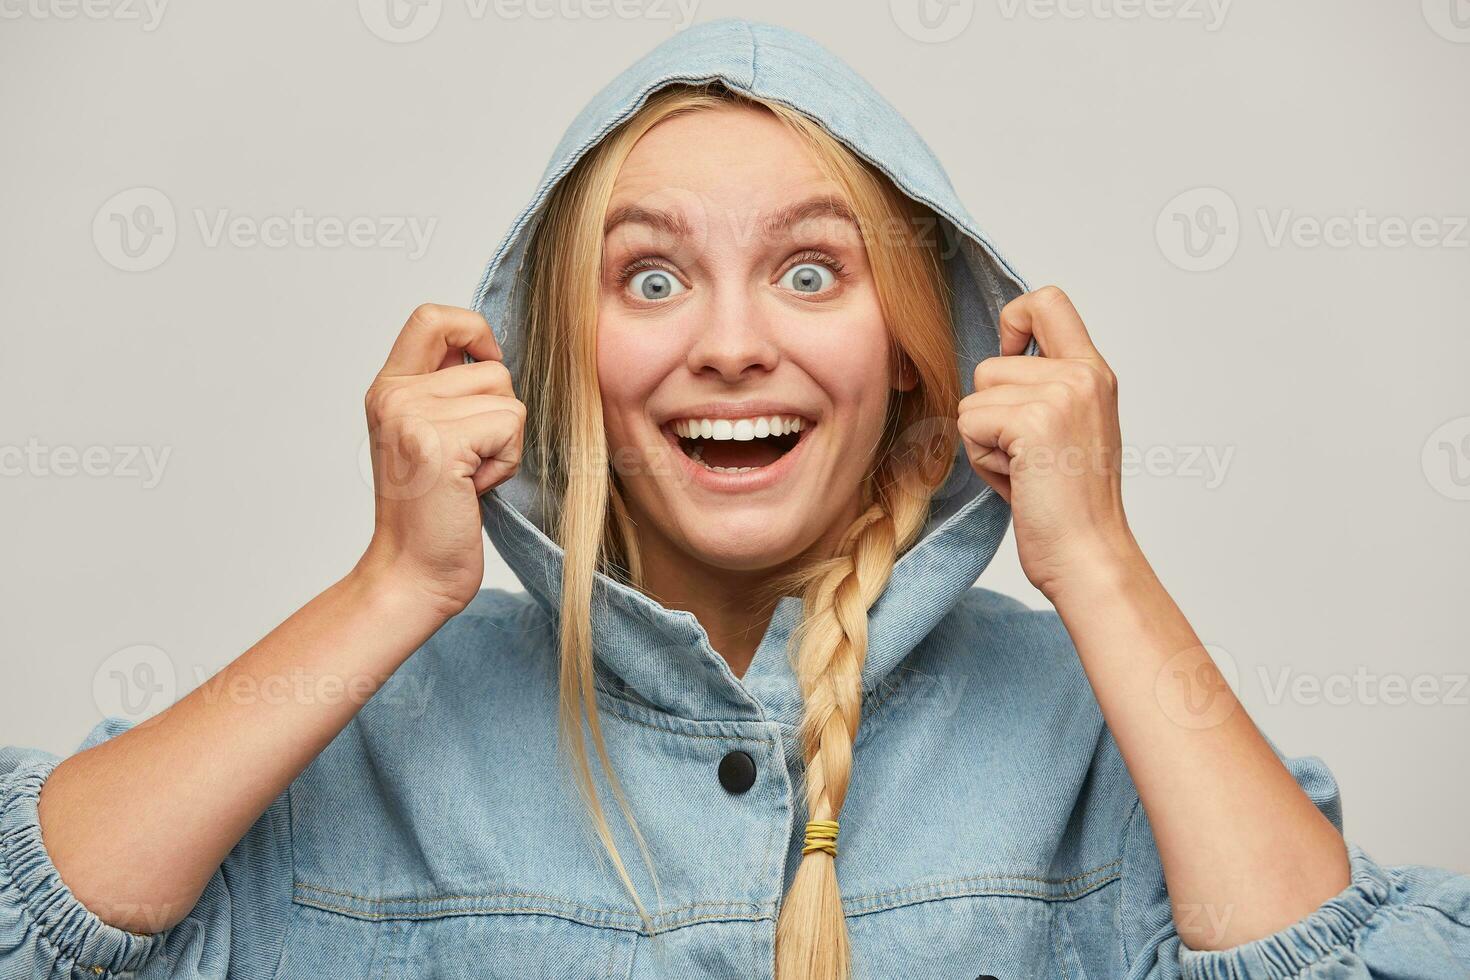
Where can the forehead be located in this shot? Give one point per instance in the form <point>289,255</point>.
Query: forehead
<point>735,158</point>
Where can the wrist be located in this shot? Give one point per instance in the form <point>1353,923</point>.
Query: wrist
<point>1112,567</point>
<point>397,594</point>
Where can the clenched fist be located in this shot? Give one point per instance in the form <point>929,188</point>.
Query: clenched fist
<point>1043,432</point>
<point>442,433</point>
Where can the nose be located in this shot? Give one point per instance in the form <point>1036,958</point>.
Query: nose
<point>735,340</point>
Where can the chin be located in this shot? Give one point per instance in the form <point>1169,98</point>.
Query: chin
<point>748,543</point>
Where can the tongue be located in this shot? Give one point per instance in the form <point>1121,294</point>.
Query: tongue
<point>752,452</point>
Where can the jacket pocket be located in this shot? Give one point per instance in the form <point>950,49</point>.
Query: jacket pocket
<point>1005,935</point>
<point>484,937</point>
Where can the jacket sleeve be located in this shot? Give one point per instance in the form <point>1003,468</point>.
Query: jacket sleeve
<point>235,929</point>
<point>1406,921</point>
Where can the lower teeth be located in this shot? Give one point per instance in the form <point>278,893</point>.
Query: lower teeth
<point>698,457</point>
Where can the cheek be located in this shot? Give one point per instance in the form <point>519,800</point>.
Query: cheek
<point>855,372</point>
<point>630,365</point>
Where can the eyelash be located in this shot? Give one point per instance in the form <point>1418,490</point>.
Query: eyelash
<point>803,257</point>
<point>812,255</point>
<point>638,265</point>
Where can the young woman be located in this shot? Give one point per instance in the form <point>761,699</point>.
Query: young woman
<point>746,402</point>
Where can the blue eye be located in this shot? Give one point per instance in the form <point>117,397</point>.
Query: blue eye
<point>655,284</point>
<point>808,277</point>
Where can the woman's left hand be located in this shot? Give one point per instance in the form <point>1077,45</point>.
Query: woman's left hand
<point>1043,431</point>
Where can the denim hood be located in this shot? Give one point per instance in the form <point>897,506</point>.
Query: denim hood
<point>662,656</point>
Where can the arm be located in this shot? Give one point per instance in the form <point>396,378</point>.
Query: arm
<point>183,788</point>
<point>193,778</point>
<point>1244,850</point>
<point>1404,921</point>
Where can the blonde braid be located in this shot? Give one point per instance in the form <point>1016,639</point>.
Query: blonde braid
<point>811,931</point>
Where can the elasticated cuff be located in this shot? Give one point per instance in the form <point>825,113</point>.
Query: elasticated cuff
<point>1327,932</point>
<point>32,889</point>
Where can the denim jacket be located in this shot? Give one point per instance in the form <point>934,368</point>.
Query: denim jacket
<point>991,828</point>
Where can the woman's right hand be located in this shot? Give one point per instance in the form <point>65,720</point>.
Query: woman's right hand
<point>442,432</point>
<point>205,768</point>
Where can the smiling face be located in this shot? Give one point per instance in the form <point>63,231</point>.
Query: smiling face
<point>744,363</point>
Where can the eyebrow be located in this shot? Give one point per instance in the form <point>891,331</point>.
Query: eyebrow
<point>817,207</point>
<point>669,222</point>
<point>672,222</point>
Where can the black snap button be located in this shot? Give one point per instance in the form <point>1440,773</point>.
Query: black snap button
<point>737,772</point>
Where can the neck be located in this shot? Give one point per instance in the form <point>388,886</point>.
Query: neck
<point>726,602</point>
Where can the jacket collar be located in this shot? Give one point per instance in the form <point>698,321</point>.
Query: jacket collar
<point>662,657</point>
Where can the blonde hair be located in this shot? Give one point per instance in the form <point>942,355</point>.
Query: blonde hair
<point>566,444</point>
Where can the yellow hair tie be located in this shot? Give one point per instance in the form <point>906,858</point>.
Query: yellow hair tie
<point>821,835</point>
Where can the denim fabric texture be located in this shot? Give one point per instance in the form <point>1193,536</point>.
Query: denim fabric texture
<point>991,827</point>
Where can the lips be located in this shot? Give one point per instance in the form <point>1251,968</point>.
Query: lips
<point>738,464</point>
<point>737,445</point>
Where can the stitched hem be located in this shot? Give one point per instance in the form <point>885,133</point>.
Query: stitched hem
<point>65,928</point>
<point>1332,928</point>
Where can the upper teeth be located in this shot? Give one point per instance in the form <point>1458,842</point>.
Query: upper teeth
<point>742,430</point>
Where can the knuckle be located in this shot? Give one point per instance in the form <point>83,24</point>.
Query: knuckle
<point>499,375</point>
<point>1050,295</point>
<point>1059,392</point>
<point>373,400</point>
<point>393,402</point>
<point>426,316</point>
<point>1087,381</point>
<point>1039,416</point>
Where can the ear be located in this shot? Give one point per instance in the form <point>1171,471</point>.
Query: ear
<point>905,375</point>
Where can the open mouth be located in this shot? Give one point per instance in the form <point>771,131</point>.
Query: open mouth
<point>739,445</point>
